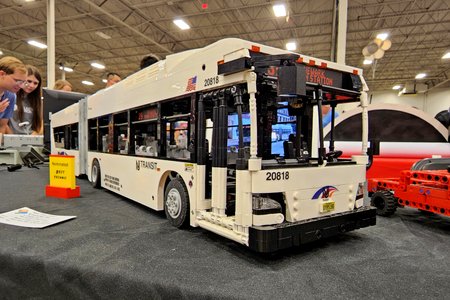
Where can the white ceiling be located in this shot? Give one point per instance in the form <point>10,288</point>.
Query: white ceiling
<point>419,31</point>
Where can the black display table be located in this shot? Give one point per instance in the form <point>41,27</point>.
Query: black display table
<point>118,249</point>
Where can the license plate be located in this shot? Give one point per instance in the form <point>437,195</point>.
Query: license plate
<point>328,206</point>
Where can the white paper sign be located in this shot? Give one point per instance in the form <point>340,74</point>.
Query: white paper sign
<point>27,217</point>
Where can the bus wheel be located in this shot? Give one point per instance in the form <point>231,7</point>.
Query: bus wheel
<point>96,174</point>
<point>385,203</point>
<point>176,203</point>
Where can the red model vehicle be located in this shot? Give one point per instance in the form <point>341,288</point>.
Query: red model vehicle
<point>425,187</point>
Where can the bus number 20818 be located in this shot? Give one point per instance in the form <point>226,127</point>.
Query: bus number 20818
<point>277,176</point>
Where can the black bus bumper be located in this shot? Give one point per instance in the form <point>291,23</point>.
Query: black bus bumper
<point>276,237</point>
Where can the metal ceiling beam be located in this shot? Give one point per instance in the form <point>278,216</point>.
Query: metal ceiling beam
<point>50,43</point>
<point>43,22</point>
<point>117,20</point>
<point>141,14</point>
<point>40,62</point>
<point>398,14</point>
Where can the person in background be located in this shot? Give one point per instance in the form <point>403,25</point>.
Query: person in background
<point>326,115</point>
<point>13,75</point>
<point>62,85</point>
<point>28,115</point>
<point>112,78</point>
<point>148,61</point>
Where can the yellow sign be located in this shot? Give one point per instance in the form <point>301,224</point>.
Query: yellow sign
<point>62,171</point>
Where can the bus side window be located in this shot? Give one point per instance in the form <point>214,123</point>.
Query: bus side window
<point>177,140</point>
<point>92,135</point>
<point>119,131</point>
<point>146,145</point>
<point>103,133</point>
<point>74,136</point>
<point>58,133</point>
<point>144,131</point>
<point>145,142</point>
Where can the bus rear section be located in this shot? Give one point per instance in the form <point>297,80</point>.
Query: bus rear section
<point>271,182</point>
<point>67,133</point>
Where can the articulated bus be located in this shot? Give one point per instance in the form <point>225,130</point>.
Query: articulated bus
<point>193,135</point>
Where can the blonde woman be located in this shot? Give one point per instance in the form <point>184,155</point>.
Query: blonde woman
<point>62,85</point>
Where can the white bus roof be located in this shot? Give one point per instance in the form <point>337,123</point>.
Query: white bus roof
<point>168,78</point>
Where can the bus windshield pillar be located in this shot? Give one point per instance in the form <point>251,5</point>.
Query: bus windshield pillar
<point>222,134</point>
<point>251,86</point>
<point>237,95</point>
<point>201,130</point>
<point>220,126</point>
<point>319,98</point>
<point>215,119</point>
<point>333,111</point>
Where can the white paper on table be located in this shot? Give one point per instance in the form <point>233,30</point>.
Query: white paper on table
<point>27,217</point>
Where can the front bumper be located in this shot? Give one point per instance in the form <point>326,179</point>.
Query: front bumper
<point>276,237</point>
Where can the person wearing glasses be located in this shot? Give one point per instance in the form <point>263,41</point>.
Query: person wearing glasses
<point>13,75</point>
<point>28,115</point>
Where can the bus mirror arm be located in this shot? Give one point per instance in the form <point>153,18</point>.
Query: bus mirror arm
<point>374,149</point>
<point>237,95</point>
<point>370,155</point>
<point>319,97</point>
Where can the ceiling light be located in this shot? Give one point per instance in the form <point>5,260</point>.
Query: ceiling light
<point>66,69</point>
<point>279,10</point>
<point>382,36</point>
<point>291,46</point>
<point>396,87</point>
<point>421,75</point>
<point>29,0</point>
<point>446,55</point>
<point>37,44</point>
<point>104,80</point>
<point>102,35</point>
<point>86,82</point>
<point>181,24</point>
<point>97,65</point>
<point>1,52</point>
<point>367,61</point>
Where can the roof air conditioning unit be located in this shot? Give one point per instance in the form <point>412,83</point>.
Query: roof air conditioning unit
<point>413,88</point>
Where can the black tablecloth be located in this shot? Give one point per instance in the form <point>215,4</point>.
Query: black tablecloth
<point>116,248</point>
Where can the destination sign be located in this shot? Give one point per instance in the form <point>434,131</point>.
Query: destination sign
<point>323,76</point>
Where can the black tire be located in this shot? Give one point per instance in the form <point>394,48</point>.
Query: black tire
<point>176,203</point>
<point>96,174</point>
<point>385,203</point>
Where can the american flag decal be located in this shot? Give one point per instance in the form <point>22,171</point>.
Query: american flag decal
<point>192,82</point>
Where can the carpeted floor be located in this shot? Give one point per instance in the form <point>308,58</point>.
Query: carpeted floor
<point>116,249</point>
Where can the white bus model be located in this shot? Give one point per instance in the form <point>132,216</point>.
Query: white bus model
<point>192,135</point>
